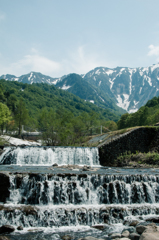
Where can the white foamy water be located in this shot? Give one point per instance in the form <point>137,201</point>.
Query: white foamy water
<point>47,156</point>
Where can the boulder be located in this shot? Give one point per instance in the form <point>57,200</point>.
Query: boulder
<point>150,236</point>
<point>129,229</point>
<point>140,229</point>
<point>7,229</point>
<point>115,235</point>
<point>19,228</point>
<point>85,168</point>
<point>151,232</point>
<point>99,227</point>
<point>92,238</point>
<point>66,237</point>
<point>134,236</point>
<point>125,234</point>
<point>55,165</point>
<point>134,223</point>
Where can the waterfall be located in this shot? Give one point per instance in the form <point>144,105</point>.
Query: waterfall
<point>46,200</point>
<point>55,197</point>
<point>39,189</point>
<point>46,156</point>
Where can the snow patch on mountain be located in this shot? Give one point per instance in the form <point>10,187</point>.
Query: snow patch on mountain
<point>109,72</point>
<point>97,72</point>
<point>111,83</point>
<point>123,102</point>
<point>153,67</point>
<point>130,85</point>
<point>133,110</point>
<point>101,99</point>
<point>31,74</point>
<point>122,69</point>
<point>140,90</point>
<point>64,87</point>
<point>149,81</point>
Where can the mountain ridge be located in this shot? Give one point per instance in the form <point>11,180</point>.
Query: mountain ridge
<point>123,87</point>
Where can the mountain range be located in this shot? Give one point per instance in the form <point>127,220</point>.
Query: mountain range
<point>117,88</point>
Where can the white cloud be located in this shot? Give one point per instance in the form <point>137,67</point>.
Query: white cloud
<point>153,50</point>
<point>32,62</point>
<point>80,61</point>
<point>38,64</point>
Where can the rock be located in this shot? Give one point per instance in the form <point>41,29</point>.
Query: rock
<point>100,227</point>
<point>133,223</point>
<point>129,229</point>
<point>6,229</point>
<point>92,238</point>
<point>134,236</point>
<point>4,238</point>
<point>115,235</point>
<point>125,234</point>
<point>126,222</point>
<point>4,191</point>
<point>140,229</point>
<point>20,228</point>
<point>66,237</point>
<point>124,238</point>
<point>154,219</point>
<point>56,237</point>
<point>151,232</point>
<point>86,168</point>
<point>55,165</point>
<point>143,224</point>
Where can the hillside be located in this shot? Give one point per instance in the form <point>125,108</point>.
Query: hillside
<point>72,83</point>
<point>146,115</point>
<point>38,96</point>
<point>75,84</point>
<point>113,88</point>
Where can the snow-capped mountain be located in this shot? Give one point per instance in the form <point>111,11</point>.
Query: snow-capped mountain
<point>30,78</point>
<point>128,88</point>
<point>75,84</point>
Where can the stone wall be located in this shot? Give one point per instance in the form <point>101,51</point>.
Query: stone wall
<point>137,140</point>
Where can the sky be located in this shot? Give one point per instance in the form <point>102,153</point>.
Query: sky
<point>58,37</point>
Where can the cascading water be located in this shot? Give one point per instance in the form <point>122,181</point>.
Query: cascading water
<point>83,189</point>
<point>54,197</point>
<point>46,156</point>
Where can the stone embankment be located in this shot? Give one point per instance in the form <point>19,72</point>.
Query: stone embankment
<point>139,139</point>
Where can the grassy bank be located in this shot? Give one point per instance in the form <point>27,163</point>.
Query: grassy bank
<point>150,159</point>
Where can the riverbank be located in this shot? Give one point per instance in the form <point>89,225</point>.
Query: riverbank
<point>138,160</point>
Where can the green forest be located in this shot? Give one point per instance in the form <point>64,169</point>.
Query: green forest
<point>146,115</point>
<point>63,118</point>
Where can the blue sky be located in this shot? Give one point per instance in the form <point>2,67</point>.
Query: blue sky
<point>60,37</point>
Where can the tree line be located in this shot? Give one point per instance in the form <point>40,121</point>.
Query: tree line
<point>63,118</point>
<point>146,115</point>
